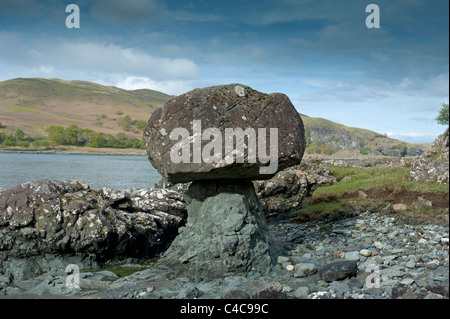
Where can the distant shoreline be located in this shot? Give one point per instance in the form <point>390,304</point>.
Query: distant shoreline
<point>68,152</point>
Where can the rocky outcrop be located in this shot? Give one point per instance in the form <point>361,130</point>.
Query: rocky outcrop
<point>321,132</point>
<point>68,218</point>
<point>432,166</point>
<point>288,188</point>
<point>209,119</point>
<point>226,232</point>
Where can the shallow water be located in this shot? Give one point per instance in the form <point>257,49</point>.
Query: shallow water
<point>115,171</point>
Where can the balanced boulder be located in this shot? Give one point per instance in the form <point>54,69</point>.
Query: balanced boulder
<point>224,132</point>
<point>221,138</point>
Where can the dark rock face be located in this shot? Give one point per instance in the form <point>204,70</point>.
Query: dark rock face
<point>52,217</point>
<point>432,166</point>
<point>225,233</point>
<point>233,109</point>
<point>338,270</point>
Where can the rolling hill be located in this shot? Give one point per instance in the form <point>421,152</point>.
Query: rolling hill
<point>33,104</point>
<point>325,136</point>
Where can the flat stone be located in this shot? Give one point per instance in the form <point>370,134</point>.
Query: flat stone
<point>271,291</point>
<point>399,207</point>
<point>302,293</point>
<point>305,269</point>
<point>282,259</point>
<point>338,270</point>
<point>352,255</point>
<point>432,265</point>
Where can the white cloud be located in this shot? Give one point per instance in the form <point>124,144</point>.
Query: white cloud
<point>116,59</point>
<point>92,57</point>
<point>171,87</point>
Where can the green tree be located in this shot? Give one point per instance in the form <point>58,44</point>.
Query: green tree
<point>443,115</point>
<point>24,144</point>
<point>56,135</point>
<point>20,135</point>
<point>141,125</point>
<point>71,135</point>
<point>9,141</point>
<point>98,140</point>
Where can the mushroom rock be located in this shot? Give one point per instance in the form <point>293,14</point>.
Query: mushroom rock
<point>221,138</point>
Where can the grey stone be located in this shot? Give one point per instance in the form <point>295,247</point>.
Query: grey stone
<point>190,293</point>
<point>433,165</point>
<point>236,294</point>
<point>68,218</point>
<point>355,283</point>
<point>290,186</point>
<point>282,259</point>
<point>225,234</point>
<point>365,252</point>
<point>339,288</point>
<point>432,265</point>
<point>221,107</point>
<point>302,292</point>
<point>271,291</point>
<point>305,269</point>
<point>438,288</point>
<point>352,255</point>
<point>338,270</point>
<point>399,289</point>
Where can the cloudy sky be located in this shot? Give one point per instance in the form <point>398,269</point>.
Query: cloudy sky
<point>319,52</point>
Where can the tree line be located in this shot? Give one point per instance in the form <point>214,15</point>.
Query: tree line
<point>71,135</point>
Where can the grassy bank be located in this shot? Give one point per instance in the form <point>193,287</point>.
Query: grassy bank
<point>368,188</point>
<point>387,179</point>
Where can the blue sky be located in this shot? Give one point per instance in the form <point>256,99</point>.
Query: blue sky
<point>319,52</point>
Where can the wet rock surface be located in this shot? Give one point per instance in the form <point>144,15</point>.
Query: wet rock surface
<point>69,218</point>
<point>390,259</point>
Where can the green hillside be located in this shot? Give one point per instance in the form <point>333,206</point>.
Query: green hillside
<point>325,136</point>
<point>32,105</point>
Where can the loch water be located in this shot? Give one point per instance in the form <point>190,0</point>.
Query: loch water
<point>118,172</point>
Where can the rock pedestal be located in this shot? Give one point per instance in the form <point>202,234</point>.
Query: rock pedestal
<point>225,234</point>
<point>221,138</point>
